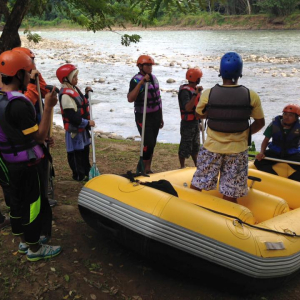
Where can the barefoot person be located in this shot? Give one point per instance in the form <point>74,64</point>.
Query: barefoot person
<point>154,117</point>
<point>228,108</point>
<point>19,145</point>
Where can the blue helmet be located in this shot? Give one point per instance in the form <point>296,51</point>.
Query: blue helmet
<point>231,66</point>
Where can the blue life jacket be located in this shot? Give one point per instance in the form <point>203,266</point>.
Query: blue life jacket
<point>284,144</point>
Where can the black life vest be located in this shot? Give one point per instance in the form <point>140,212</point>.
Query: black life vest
<point>228,109</point>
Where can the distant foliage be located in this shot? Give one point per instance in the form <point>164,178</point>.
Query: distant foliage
<point>32,37</point>
<point>278,7</point>
<point>127,39</point>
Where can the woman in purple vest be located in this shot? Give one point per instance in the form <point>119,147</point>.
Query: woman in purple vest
<point>154,117</point>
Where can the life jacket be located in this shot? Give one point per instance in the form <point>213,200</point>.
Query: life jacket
<point>83,109</point>
<point>284,144</point>
<point>14,145</point>
<point>228,109</point>
<point>188,115</point>
<point>153,97</point>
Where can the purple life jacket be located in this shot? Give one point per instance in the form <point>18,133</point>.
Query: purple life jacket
<point>153,97</point>
<point>16,147</point>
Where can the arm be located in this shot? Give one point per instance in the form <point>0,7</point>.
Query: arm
<point>50,101</point>
<point>263,148</point>
<point>257,125</point>
<point>190,105</point>
<point>132,95</point>
<point>32,93</point>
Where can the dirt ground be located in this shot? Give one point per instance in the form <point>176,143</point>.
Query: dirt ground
<point>93,266</point>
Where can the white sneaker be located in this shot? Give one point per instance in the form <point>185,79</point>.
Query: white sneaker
<point>46,251</point>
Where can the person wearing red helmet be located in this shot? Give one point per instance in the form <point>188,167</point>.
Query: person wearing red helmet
<point>188,98</point>
<point>154,118</point>
<point>284,133</point>
<point>228,109</point>
<point>76,118</point>
<point>20,141</point>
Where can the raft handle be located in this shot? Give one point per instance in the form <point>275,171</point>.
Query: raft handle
<point>237,221</point>
<point>253,178</point>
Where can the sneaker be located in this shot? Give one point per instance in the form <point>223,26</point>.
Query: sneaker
<point>46,251</point>
<point>23,247</point>
<point>5,223</point>
<point>52,202</point>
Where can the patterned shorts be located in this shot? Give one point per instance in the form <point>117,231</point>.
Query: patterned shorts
<point>233,169</point>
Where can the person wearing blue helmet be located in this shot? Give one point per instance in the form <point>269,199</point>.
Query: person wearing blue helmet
<point>228,109</point>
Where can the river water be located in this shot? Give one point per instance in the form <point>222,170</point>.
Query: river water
<point>271,68</point>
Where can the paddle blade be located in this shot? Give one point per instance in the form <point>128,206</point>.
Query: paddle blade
<point>94,172</point>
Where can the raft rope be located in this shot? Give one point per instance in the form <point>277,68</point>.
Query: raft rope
<point>293,234</point>
<point>130,176</point>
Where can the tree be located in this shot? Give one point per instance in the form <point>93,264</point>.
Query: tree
<point>278,7</point>
<point>91,14</point>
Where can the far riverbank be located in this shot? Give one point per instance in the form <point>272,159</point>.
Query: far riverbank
<point>200,22</point>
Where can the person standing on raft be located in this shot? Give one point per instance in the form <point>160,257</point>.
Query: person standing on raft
<point>154,116</point>
<point>228,109</point>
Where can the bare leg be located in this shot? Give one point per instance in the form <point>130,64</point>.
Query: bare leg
<point>182,161</point>
<point>234,200</point>
<point>194,157</point>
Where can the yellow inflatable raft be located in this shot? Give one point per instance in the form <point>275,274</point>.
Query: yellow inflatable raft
<point>256,241</point>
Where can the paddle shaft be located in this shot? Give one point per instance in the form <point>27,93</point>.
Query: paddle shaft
<point>92,129</point>
<point>144,118</point>
<point>202,131</point>
<point>279,160</point>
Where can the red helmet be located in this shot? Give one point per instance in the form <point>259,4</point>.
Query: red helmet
<point>64,71</point>
<point>145,59</point>
<point>193,75</point>
<point>13,61</point>
<point>25,50</point>
<point>292,108</point>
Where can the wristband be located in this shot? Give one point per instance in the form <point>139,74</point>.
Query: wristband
<point>32,80</point>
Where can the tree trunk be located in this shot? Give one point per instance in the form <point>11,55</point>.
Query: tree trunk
<point>10,35</point>
<point>249,7</point>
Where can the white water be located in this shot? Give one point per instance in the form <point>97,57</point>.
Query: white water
<point>277,82</point>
